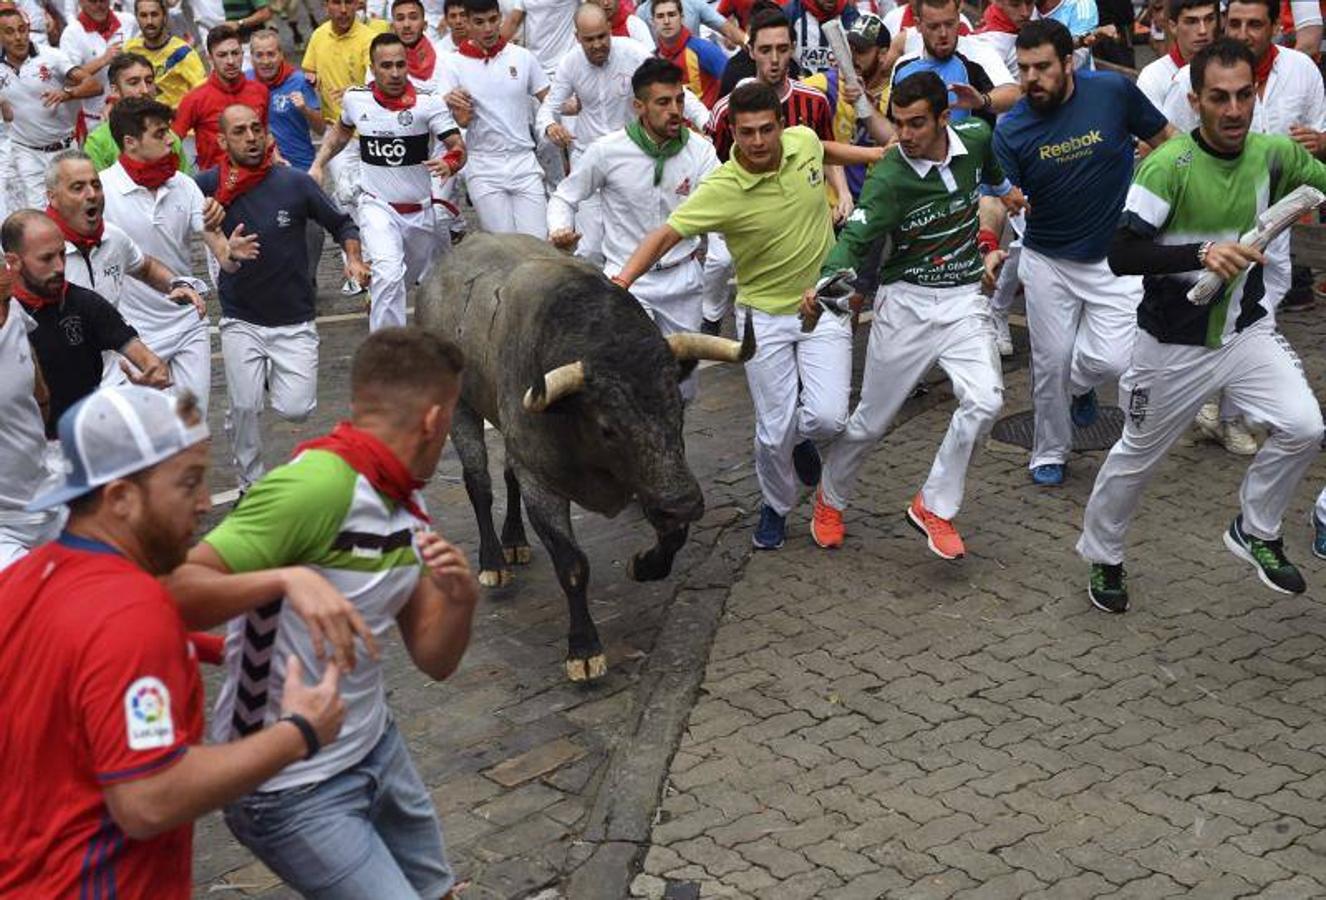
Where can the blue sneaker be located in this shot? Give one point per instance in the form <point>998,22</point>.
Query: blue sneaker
<point>1319,538</point>
<point>1084,409</point>
<point>1049,474</point>
<point>772,530</point>
<point>806,461</point>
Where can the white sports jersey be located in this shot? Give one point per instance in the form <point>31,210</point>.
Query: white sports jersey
<point>106,267</point>
<point>633,205</point>
<point>550,31</point>
<point>23,439</point>
<point>83,46</point>
<point>501,88</point>
<point>394,145</point>
<point>44,70</point>
<point>1157,80</point>
<point>604,91</point>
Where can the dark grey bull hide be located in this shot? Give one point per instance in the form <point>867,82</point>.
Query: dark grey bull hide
<point>576,377</point>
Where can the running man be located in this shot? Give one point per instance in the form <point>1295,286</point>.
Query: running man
<point>768,202</point>
<point>924,199</point>
<point>177,67</point>
<point>1190,201</point>
<point>1068,144</point>
<point>400,130</point>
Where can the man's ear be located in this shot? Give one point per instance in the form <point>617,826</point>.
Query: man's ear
<point>432,420</point>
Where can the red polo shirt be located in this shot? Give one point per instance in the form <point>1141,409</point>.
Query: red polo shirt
<point>98,686</point>
<point>200,112</point>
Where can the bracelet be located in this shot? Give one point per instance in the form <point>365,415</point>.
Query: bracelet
<point>986,102</point>
<point>306,729</point>
<point>1202,251</point>
<point>452,159</point>
<point>987,241</point>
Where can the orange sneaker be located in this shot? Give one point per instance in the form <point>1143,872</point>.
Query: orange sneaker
<point>939,533</point>
<point>826,525</point>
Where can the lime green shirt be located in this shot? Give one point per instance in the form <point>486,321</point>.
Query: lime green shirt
<point>101,148</point>
<point>777,226</point>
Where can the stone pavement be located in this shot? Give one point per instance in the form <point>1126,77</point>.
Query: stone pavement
<point>876,722</point>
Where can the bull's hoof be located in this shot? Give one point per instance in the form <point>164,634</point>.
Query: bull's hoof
<point>519,555</point>
<point>492,578</point>
<point>648,566</point>
<point>592,669</point>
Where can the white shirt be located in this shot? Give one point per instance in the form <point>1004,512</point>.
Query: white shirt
<point>444,45</point>
<point>550,30</point>
<point>633,205</point>
<point>1293,96</point>
<point>160,222</point>
<point>23,437</point>
<point>83,46</point>
<point>44,70</point>
<point>638,30</point>
<point>500,88</point>
<point>105,269</point>
<point>1157,80</point>
<point>893,22</point>
<point>604,91</point>
<point>394,145</point>
<point>1306,14</point>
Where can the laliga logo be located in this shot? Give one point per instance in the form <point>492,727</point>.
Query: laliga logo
<point>390,152</point>
<point>147,704</point>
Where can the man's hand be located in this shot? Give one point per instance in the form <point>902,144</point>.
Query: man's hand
<point>321,704</point>
<point>459,100</point>
<point>358,271</point>
<point>315,172</point>
<point>994,261</point>
<point>213,214</point>
<point>1228,258</point>
<point>112,51</point>
<point>1307,138</point>
<point>448,568</point>
<point>297,100</point>
<point>183,294</point>
<point>968,96</point>
<point>850,93</point>
<point>243,247</point>
<point>810,309</point>
<point>52,99</point>
<point>564,239</point>
<point>843,208</point>
<point>1015,201</point>
<point>437,167</point>
<point>156,375</point>
<point>559,135</point>
<point>329,617</point>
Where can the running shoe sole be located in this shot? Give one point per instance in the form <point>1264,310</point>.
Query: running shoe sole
<point>1100,606</point>
<point>912,520</point>
<point>1242,553</point>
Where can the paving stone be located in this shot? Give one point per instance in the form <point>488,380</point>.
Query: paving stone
<point>782,862</point>
<point>533,763</point>
<point>514,806</point>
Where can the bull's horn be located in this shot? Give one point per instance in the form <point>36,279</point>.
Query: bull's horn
<point>691,346</point>
<point>557,383</point>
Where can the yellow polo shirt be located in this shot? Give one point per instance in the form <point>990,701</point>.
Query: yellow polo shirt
<point>777,225</point>
<point>339,61</point>
<point>176,67</point>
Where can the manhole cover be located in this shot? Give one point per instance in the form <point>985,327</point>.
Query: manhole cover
<point>1019,429</point>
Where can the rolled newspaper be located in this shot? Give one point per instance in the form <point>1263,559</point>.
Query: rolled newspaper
<point>1270,225</point>
<point>842,53</point>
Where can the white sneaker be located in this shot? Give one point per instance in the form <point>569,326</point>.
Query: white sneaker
<point>1237,439</point>
<point>1208,421</point>
<point>1003,338</point>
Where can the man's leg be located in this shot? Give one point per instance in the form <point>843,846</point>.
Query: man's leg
<point>1108,326</point>
<point>529,206</point>
<point>245,356</point>
<point>771,376</point>
<point>419,243</point>
<point>971,360</point>
<point>1052,322</point>
<point>292,375</point>
<point>672,299</point>
<point>492,203</point>
<point>380,230</point>
<point>408,824</point>
<point>190,362</point>
<point>30,174</point>
<point>824,367</point>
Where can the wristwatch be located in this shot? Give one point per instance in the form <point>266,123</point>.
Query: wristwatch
<point>197,284</point>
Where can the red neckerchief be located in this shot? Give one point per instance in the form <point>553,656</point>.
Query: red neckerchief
<point>1262,71</point>
<point>84,242</point>
<point>151,175</point>
<point>395,104</point>
<point>33,301</point>
<point>677,48</point>
<point>105,29</point>
<point>279,78</point>
<point>421,59</point>
<point>994,20</point>
<point>621,17</point>
<point>1175,56</point>
<point>838,7</point>
<point>235,181</point>
<point>367,455</point>
<point>474,51</point>
<point>226,87</point>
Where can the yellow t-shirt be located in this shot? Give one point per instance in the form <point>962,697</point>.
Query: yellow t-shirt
<point>777,225</point>
<point>339,61</point>
<point>176,66</point>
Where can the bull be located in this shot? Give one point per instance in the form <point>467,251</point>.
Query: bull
<point>584,390</point>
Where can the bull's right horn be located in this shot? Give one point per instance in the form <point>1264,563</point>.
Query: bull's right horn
<point>691,346</point>
<point>555,384</point>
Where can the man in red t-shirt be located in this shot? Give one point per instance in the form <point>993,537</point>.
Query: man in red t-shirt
<point>200,109</point>
<point>99,683</point>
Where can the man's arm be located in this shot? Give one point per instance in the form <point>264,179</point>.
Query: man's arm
<point>154,274</point>
<point>875,216</point>
<point>726,26</point>
<point>259,17</point>
<point>651,250</point>
<point>838,154</point>
<point>547,121</point>
<point>78,85</point>
<point>147,368</point>
<point>332,143</point>
<point>435,622</point>
<point>577,187</point>
<point>511,24</point>
<point>233,250</point>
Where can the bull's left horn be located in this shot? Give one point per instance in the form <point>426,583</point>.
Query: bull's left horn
<point>689,346</point>
<point>557,383</point>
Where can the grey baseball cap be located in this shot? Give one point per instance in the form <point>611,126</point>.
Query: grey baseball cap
<point>113,433</point>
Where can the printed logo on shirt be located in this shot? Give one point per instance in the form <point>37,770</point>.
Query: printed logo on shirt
<point>405,117</point>
<point>858,215</point>
<point>511,70</point>
<point>684,189</point>
<point>72,326</point>
<point>815,176</point>
<point>44,72</point>
<point>283,218</point>
<point>1073,148</point>
<point>409,150</point>
<point>147,714</point>
<point>1138,402</point>
<point>112,272</point>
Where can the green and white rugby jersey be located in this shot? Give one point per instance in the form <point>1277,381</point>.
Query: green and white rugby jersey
<point>926,210</point>
<point>315,511</point>
<point>1185,193</point>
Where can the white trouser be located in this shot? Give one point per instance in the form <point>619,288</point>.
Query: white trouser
<point>451,192</point>
<point>509,197</point>
<point>27,176</point>
<point>913,329</point>
<point>187,353</point>
<point>21,531</point>
<point>671,296</point>
<point>821,361</point>
<point>717,274</point>
<point>399,247</point>
<point>1006,286</point>
<point>342,179</point>
<point>589,225</point>
<point>1082,319</point>
<point>280,363</point>
<point>1162,391</point>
